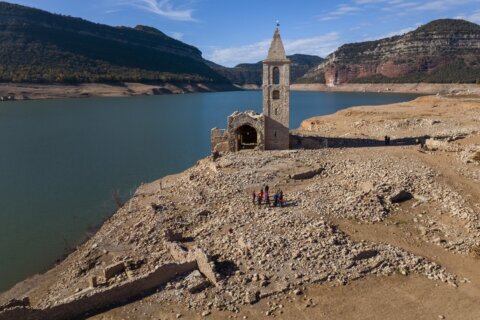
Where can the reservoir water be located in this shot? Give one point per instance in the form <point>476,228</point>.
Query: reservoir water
<point>62,160</point>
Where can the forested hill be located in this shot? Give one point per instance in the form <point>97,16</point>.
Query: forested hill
<point>442,51</point>
<point>37,46</point>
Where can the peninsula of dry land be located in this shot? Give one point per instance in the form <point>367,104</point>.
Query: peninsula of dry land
<point>369,231</point>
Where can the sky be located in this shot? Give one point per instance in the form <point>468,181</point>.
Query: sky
<point>230,32</point>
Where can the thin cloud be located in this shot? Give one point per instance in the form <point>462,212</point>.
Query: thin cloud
<point>474,17</point>
<point>163,8</point>
<point>340,11</point>
<point>111,11</point>
<point>439,5</point>
<point>177,35</point>
<point>400,6</point>
<point>321,46</point>
<point>420,6</point>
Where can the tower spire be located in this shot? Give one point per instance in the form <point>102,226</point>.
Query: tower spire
<point>277,50</point>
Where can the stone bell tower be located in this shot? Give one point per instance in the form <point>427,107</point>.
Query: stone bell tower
<point>276,96</point>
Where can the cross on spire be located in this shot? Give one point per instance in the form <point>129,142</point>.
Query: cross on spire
<point>277,51</point>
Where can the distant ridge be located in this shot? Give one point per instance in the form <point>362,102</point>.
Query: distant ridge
<point>251,73</point>
<point>37,46</point>
<point>442,51</point>
<point>40,47</point>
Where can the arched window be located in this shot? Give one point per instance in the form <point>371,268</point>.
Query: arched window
<point>275,95</point>
<point>276,75</point>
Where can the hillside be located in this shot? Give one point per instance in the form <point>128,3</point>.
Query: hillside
<point>442,51</point>
<point>37,46</point>
<point>251,73</point>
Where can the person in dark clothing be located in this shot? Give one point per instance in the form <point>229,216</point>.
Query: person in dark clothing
<point>275,200</point>
<point>280,199</point>
<point>259,199</point>
<point>254,197</point>
<point>267,188</point>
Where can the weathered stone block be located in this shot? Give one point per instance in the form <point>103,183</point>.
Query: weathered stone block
<point>205,265</point>
<point>93,282</point>
<point>114,269</point>
<point>178,252</point>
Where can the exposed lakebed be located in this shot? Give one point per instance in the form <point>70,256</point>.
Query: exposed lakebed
<point>62,160</point>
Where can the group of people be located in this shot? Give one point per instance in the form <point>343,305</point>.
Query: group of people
<point>387,140</point>
<point>263,197</point>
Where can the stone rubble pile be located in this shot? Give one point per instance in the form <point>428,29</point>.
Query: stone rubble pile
<point>263,252</point>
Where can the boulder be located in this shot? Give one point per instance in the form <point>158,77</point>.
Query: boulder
<point>251,297</point>
<point>196,282</point>
<point>400,196</point>
<point>367,254</point>
<point>305,175</point>
<point>367,186</point>
<point>440,145</point>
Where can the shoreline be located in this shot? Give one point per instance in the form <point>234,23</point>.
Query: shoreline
<point>19,92</point>
<point>420,88</point>
<point>24,91</point>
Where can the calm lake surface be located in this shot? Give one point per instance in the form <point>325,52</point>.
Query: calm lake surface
<point>62,160</point>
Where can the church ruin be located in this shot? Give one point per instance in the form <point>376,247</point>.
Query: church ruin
<point>270,129</point>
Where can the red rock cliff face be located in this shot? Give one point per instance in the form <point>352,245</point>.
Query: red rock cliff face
<point>428,52</point>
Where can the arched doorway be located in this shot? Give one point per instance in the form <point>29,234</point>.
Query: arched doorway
<point>246,137</point>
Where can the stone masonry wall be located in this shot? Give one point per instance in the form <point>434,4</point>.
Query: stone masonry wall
<point>102,299</point>
<point>276,111</point>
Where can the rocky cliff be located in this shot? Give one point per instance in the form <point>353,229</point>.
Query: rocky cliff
<point>442,51</point>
